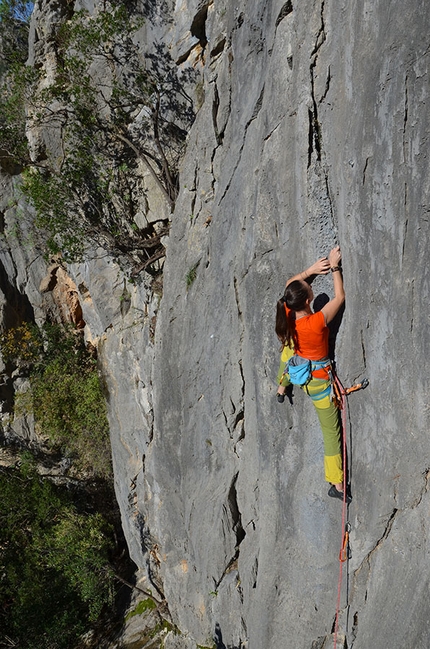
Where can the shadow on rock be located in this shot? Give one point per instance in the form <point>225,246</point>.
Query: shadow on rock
<point>219,644</point>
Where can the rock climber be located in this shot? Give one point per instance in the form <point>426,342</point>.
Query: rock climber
<point>306,334</point>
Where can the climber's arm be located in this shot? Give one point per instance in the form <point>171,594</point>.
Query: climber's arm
<point>331,308</point>
<point>320,267</point>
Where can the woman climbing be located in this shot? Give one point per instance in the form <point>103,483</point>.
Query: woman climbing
<point>305,334</point>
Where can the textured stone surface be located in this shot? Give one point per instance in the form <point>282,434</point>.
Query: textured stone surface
<point>312,130</point>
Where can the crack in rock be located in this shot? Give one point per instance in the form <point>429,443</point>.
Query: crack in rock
<point>254,115</point>
<point>236,527</point>
<point>365,565</point>
<point>286,9</point>
<point>315,136</point>
<point>219,134</point>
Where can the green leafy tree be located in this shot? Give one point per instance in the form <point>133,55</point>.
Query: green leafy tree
<point>16,82</point>
<point>54,576</point>
<point>114,127</point>
<point>66,394</point>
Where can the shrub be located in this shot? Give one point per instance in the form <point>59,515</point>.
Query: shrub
<point>66,395</point>
<point>191,275</point>
<point>136,117</point>
<point>54,576</point>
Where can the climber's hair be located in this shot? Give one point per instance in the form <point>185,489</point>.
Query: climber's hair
<point>294,297</point>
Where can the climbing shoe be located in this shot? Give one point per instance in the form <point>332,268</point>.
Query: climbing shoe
<point>280,397</point>
<point>335,493</point>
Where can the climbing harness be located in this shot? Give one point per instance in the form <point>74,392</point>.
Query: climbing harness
<point>342,393</point>
<point>299,369</point>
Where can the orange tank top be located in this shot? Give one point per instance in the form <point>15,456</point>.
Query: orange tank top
<point>311,339</point>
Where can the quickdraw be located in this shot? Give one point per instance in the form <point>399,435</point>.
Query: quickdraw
<point>344,551</point>
<point>357,386</point>
<point>339,392</point>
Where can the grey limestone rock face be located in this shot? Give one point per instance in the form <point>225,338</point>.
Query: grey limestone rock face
<point>312,130</point>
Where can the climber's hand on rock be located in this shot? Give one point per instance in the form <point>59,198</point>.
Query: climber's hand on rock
<point>334,257</point>
<point>320,267</point>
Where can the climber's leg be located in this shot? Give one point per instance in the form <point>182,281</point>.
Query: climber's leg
<point>328,416</point>
<point>282,379</point>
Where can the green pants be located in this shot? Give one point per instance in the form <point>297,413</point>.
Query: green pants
<point>328,416</point>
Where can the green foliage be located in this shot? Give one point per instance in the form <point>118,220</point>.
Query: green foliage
<point>53,562</point>
<point>143,606</point>
<point>52,200</point>
<point>16,81</point>
<point>191,275</point>
<point>110,128</point>
<point>66,395</point>
<point>78,547</point>
<point>21,345</point>
<point>15,11</point>
<point>16,89</point>
<point>14,27</point>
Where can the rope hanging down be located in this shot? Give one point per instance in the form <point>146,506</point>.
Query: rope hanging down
<point>343,554</point>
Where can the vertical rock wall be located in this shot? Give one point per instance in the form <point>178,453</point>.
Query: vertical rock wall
<point>312,130</point>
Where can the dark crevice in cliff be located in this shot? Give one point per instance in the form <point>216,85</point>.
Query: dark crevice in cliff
<point>194,189</point>
<point>254,573</point>
<point>132,495</point>
<point>236,293</point>
<point>218,131</point>
<point>257,106</point>
<point>412,302</point>
<point>327,86</point>
<point>405,228</point>
<point>354,627</point>
<point>368,558</point>
<point>425,488</point>
<point>314,140</point>
<point>405,120</point>
<point>321,36</point>
<point>198,26</point>
<point>233,421</point>
<point>386,532</point>
<point>237,528</point>
<point>198,31</point>
<point>364,170</point>
<point>285,11</point>
<point>310,136</point>
<point>235,512</point>
<point>329,199</point>
<point>324,642</point>
<point>363,349</point>
<point>219,47</point>
<point>269,135</point>
<point>151,554</point>
<point>219,135</point>
<point>361,575</point>
<point>17,308</point>
<point>254,115</point>
<point>315,136</point>
<point>239,420</point>
<point>241,437</point>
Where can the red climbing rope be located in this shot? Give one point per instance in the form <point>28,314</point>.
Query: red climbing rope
<point>341,394</point>
<point>343,551</point>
